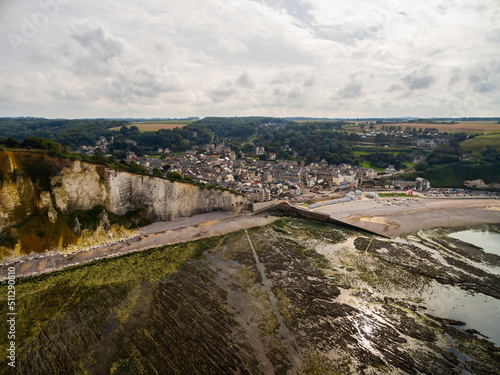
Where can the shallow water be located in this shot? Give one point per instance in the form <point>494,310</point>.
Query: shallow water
<point>479,311</point>
<point>488,241</point>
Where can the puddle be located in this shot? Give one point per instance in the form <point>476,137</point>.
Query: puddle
<point>488,241</point>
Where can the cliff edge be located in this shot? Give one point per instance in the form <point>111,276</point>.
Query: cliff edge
<point>36,184</point>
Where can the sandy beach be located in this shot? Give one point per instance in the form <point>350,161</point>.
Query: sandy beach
<point>154,235</point>
<point>393,218</point>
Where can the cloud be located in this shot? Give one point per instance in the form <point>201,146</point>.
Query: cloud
<point>309,82</point>
<point>200,58</point>
<point>415,81</point>
<point>455,78</point>
<point>245,81</point>
<point>99,43</point>
<point>232,46</point>
<point>394,87</point>
<point>351,90</point>
<point>294,93</point>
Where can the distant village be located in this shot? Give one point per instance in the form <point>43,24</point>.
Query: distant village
<point>259,180</point>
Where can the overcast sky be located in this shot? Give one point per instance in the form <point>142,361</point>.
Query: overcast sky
<point>320,58</point>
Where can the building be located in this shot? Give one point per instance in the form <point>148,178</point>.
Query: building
<point>260,150</point>
<point>390,169</point>
<point>422,184</point>
<point>370,173</point>
<point>337,179</point>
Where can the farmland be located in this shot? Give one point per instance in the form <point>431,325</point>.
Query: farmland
<point>157,125</point>
<point>471,127</point>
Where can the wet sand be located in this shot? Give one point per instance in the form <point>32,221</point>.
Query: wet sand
<point>424,213</point>
<point>154,235</point>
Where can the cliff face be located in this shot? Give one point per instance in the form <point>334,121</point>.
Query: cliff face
<point>37,184</point>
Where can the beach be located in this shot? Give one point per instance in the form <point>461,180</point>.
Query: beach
<point>154,235</point>
<point>399,216</point>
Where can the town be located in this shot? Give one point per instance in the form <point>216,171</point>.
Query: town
<point>259,175</point>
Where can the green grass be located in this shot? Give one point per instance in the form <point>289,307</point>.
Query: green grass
<point>153,126</point>
<point>385,150</point>
<point>481,142</point>
<point>366,164</point>
<point>383,195</point>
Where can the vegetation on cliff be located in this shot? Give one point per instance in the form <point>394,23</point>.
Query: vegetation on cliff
<point>38,234</point>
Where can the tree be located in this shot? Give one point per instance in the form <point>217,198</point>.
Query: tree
<point>11,142</point>
<point>174,176</point>
<point>137,168</point>
<point>157,172</point>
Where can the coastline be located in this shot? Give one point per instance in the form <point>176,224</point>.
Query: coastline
<point>154,235</point>
<point>391,221</point>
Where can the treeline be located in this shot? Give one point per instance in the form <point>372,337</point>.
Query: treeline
<point>310,141</point>
<point>453,175</point>
<point>34,143</point>
<point>449,153</point>
<point>237,127</point>
<point>178,139</point>
<point>69,133</point>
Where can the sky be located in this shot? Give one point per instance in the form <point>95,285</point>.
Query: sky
<point>315,58</point>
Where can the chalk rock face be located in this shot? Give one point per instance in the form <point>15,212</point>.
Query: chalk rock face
<point>79,185</point>
<point>480,184</point>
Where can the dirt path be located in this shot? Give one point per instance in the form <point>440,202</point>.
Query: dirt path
<point>154,235</point>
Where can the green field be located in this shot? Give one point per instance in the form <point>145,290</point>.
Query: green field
<point>366,164</point>
<point>385,195</point>
<point>481,142</point>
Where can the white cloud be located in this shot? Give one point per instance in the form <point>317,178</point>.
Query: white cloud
<point>350,91</point>
<point>243,57</point>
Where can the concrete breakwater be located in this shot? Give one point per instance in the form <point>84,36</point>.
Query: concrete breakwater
<point>285,209</point>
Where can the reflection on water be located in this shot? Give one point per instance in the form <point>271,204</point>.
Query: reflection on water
<point>479,311</point>
<point>488,241</point>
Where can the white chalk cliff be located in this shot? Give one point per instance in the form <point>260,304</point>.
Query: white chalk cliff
<point>80,185</point>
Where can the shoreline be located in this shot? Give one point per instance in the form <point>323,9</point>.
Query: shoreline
<point>388,220</point>
<point>152,236</point>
